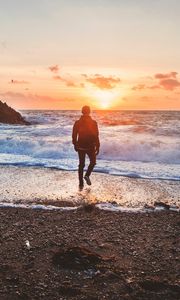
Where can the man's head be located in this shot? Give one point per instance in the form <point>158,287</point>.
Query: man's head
<point>86,110</point>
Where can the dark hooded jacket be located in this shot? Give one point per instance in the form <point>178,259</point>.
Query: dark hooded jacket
<point>85,133</point>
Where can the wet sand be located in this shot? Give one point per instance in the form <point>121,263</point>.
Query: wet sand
<point>88,254</point>
<point>56,187</point>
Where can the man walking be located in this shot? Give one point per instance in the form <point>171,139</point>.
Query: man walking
<point>85,137</point>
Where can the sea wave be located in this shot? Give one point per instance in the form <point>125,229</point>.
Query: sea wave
<point>49,145</point>
<point>127,139</point>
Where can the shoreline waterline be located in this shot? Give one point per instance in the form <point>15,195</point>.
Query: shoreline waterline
<point>46,186</point>
<point>99,171</point>
<point>101,206</point>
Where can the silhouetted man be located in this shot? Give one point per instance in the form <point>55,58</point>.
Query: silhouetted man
<point>85,137</point>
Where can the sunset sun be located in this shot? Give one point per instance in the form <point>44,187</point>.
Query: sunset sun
<point>104,98</point>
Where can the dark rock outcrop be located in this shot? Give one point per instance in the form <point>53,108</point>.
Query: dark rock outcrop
<point>9,116</point>
<point>162,205</point>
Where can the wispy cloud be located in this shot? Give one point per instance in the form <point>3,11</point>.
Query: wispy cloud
<point>54,68</point>
<point>154,87</point>
<point>12,95</point>
<point>68,82</point>
<point>57,77</point>
<point>3,45</point>
<point>14,81</point>
<point>101,81</point>
<point>145,98</point>
<point>166,75</point>
<point>169,84</point>
<point>139,87</point>
<point>33,97</point>
<point>166,81</point>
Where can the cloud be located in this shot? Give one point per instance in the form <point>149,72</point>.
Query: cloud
<point>3,45</point>
<point>68,82</point>
<point>145,98</point>
<point>18,82</point>
<point>154,87</point>
<point>57,77</point>
<point>22,96</point>
<point>84,75</point>
<point>12,95</point>
<point>125,99</point>
<point>167,81</point>
<point>102,82</point>
<point>139,87</point>
<point>54,68</point>
<point>169,84</point>
<point>33,97</point>
<point>166,76</point>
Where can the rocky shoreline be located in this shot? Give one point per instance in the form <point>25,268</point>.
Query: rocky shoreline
<point>9,116</point>
<point>88,253</point>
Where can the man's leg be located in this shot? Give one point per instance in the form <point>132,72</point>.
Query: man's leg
<point>82,155</point>
<point>92,157</point>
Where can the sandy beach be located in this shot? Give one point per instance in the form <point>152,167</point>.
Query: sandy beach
<point>35,185</point>
<point>87,252</point>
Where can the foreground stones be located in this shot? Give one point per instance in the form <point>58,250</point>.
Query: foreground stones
<point>89,254</point>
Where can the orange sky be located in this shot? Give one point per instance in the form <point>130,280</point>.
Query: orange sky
<point>108,54</point>
<point>54,87</point>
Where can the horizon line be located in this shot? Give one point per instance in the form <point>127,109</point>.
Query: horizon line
<point>105,110</point>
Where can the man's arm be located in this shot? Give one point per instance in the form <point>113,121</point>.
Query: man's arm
<point>97,142</point>
<point>74,135</point>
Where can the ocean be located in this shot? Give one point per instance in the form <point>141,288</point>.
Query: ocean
<point>140,144</point>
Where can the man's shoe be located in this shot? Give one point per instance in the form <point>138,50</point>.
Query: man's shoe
<point>88,181</point>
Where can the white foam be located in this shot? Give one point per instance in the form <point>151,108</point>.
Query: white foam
<point>117,208</point>
<point>37,206</point>
<point>102,206</point>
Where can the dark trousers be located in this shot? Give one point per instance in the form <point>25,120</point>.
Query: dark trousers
<point>82,156</point>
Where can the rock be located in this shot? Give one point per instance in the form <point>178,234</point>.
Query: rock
<point>9,116</point>
<point>148,207</point>
<point>161,204</point>
<point>113,202</point>
<point>78,258</point>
